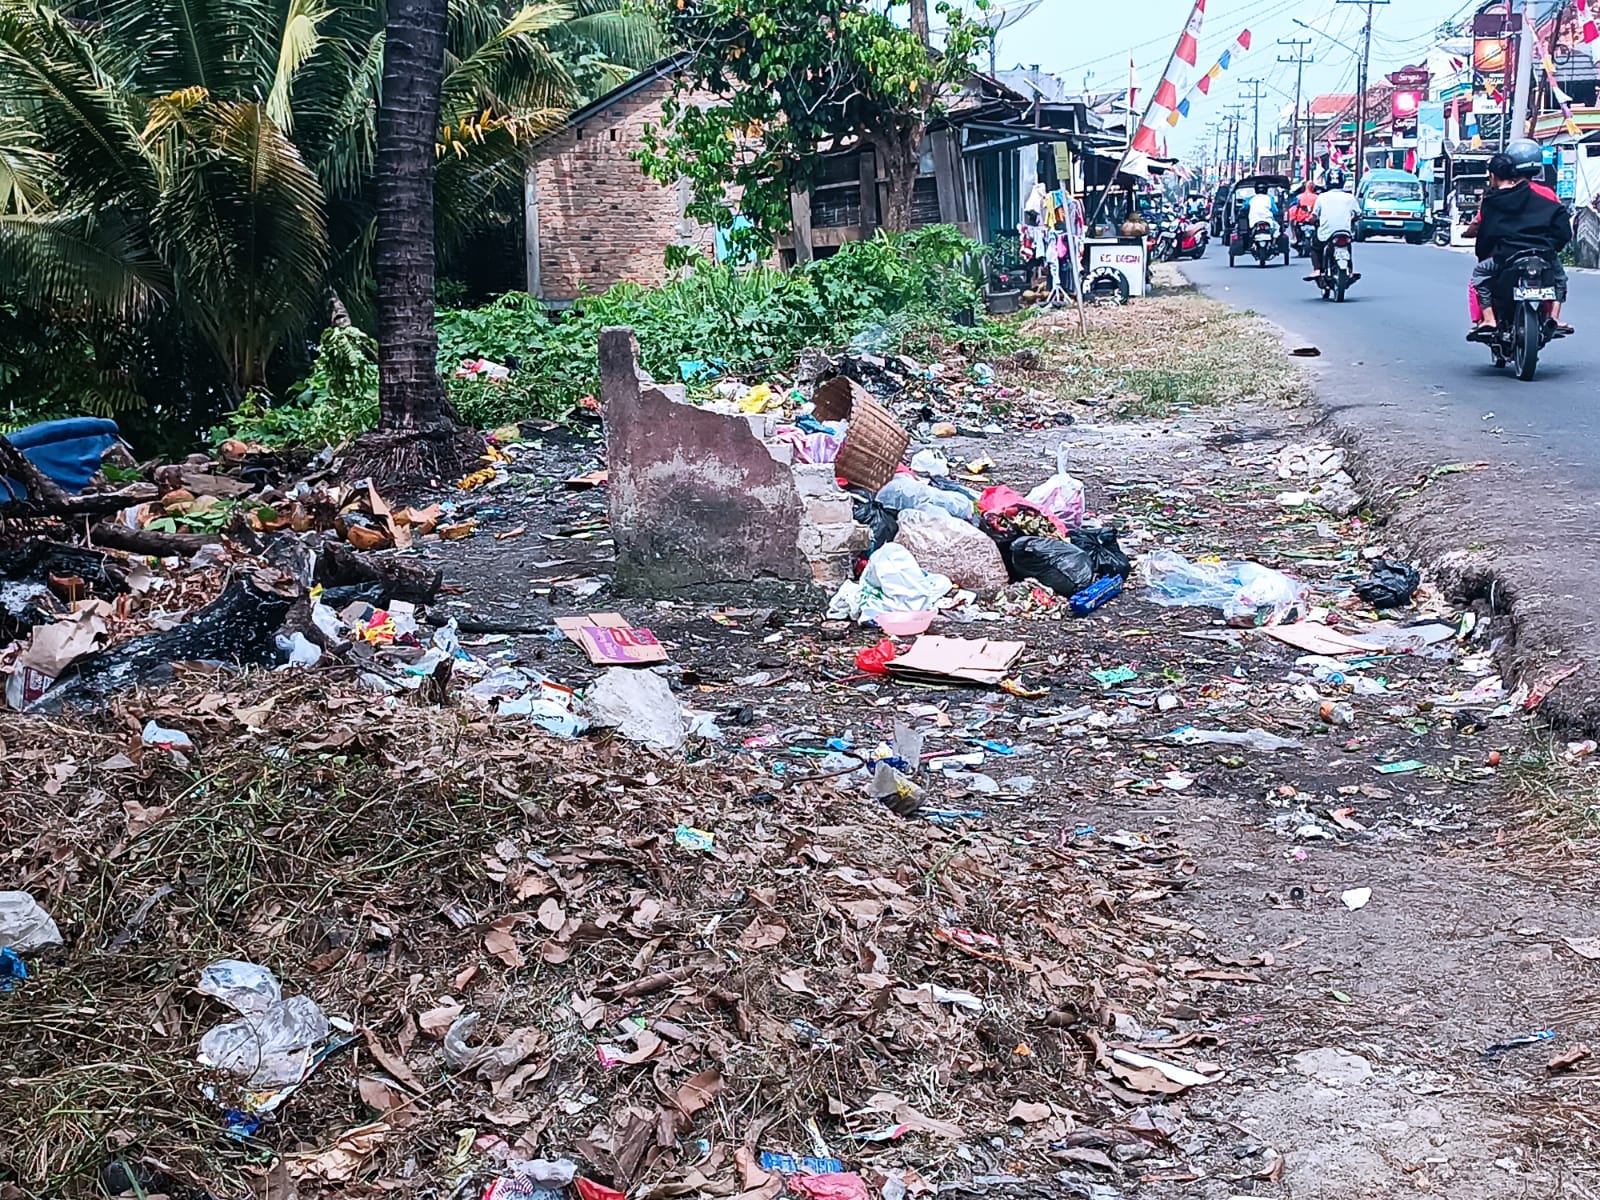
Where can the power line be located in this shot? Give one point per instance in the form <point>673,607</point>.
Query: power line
<point>1361,87</point>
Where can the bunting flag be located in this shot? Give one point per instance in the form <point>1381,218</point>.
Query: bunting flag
<point>1588,31</point>
<point>1203,88</point>
<point>1563,101</point>
<point>1186,53</point>
<point>1166,97</point>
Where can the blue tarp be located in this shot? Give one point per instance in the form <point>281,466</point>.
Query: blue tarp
<point>66,452</point>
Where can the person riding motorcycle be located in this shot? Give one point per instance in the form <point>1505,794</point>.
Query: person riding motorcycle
<point>1515,216</point>
<point>1261,207</point>
<point>1335,213</point>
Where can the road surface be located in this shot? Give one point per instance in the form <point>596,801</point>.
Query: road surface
<point>1396,373</point>
<point>1394,357</point>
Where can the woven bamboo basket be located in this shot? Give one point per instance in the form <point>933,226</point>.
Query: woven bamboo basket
<point>872,449</point>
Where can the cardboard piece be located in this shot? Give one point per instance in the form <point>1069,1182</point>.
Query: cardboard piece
<point>610,641</point>
<point>590,480</point>
<point>1319,639</point>
<point>938,659</point>
<point>52,649</point>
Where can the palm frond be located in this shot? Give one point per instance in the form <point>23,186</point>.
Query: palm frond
<point>78,262</point>
<point>302,34</point>
<point>51,81</point>
<point>629,39</point>
<point>510,70</point>
<point>24,169</point>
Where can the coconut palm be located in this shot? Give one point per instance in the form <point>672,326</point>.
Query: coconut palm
<point>214,159</point>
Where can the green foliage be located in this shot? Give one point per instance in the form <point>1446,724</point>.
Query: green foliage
<point>906,289</point>
<point>793,78</point>
<point>214,165</point>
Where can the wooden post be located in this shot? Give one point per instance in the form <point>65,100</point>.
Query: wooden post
<point>867,161</point>
<point>530,218</point>
<point>800,205</point>
<point>947,178</point>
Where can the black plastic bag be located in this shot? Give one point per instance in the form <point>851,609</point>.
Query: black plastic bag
<point>1391,584</point>
<point>882,521</point>
<point>1062,567</point>
<point>1104,550</point>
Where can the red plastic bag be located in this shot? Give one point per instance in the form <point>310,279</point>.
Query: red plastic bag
<point>588,1189</point>
<point>844,1186</point>
<point>875,660</point>
<point>1008,502</point>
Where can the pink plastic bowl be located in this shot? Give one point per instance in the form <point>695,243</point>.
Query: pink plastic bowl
<point>904,624</point>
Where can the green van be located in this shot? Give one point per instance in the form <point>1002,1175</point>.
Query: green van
<point>1392,204</point>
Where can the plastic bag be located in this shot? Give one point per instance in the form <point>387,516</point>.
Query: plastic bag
<point>875,660</point>
<point>942,544</point>
<point>1391,584</point>
<point>930,462</point>
<point>1104,550</point>
<point>269,1047</point>
<point>1008,514</point>
<point>1061,495</point>
<point>895,582</point>
<point>907,491</point>
<point>243,986</point>
<point>24,924</point>
<point>1059,566</point>
<point>640,706</point>
<point>880,520</point>
<point>1239,589</point>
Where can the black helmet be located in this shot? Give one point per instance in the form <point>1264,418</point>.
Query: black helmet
<point>1527,156</point>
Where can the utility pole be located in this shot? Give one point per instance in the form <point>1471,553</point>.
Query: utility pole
<point>1361,96</point>
<point>1525,53</point>
<point>1255,146</point>
<point>1235,112</point>
<point>1299,60</point>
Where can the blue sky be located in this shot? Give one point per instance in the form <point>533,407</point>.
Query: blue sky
<point>1072,38</point>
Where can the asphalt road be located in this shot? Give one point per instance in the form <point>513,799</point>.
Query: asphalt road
<point>1395,359</point>
<point>1521,528</point>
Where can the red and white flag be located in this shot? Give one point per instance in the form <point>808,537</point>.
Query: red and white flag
<point>1588,31</point>
<point>1176,75</point>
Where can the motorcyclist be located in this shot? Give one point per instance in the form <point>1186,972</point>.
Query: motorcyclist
<point>1335,213</point>
<point>1261,207</point>
<point>1515,216</point>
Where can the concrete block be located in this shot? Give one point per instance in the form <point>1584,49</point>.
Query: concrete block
<point>835,510</point>
<point>696,499</point>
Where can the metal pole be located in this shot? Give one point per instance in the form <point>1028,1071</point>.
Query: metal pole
<point>1299,61</point>
<point>1255,136</point>
<point>1525,53</point>
<point>1361,96</point>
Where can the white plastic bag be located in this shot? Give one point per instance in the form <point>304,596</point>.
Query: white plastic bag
<point>894,582</point>
<point>930,462</point>
<point>24,925</point>
<point>1239,589</point>
<point>907,491</point>
<point>640,706</point>
<point>957,549</point>
<point>268,1047</point>
<point>1061,495</point>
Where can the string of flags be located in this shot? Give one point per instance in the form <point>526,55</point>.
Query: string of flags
<point>1562,99</point>
<point>1166,97</point>
<point>1203,88</point>
<point>1588,31</point>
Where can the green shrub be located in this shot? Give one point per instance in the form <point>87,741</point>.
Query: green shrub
<point>913,287</point>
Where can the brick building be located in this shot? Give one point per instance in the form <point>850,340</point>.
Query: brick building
<point>593,218</point>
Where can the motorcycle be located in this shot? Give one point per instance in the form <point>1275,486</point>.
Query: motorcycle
<point>1190,239</point>
<point>1524,287</point>
<point>1300,233</point>
<point>1264,243</point>
<point>1338,268</point>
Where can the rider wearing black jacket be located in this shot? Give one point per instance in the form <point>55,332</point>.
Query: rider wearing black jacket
<point>1513,216</point>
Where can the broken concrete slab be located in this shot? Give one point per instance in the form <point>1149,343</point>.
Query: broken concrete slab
<point>1333,1067</point>
<point>696,499</point>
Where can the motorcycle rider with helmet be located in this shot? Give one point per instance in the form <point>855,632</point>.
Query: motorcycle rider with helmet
<point>1517,215</point>
<point>1334,214</point>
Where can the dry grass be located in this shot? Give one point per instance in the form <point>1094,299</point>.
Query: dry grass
<point>363,851</point>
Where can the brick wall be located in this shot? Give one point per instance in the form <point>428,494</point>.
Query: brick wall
<point>601,220</point>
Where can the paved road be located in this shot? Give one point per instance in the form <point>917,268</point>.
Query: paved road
<point>1394,357</point>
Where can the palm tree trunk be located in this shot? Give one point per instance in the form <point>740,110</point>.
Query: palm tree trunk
<point>418,432</point>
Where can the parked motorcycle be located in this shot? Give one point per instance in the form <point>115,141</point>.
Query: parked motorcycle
<point>1524,287</point>
<point>1190,239</point>
<point>1338,268</point>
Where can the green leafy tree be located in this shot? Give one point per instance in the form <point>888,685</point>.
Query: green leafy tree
<point>203,170</point>
<point>792,80</point>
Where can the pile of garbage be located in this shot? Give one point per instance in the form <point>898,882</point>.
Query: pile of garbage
<point>437,944</point>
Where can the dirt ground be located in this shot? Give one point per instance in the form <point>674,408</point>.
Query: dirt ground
<point>1347,1042</point>
<point>1358,1066</point>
